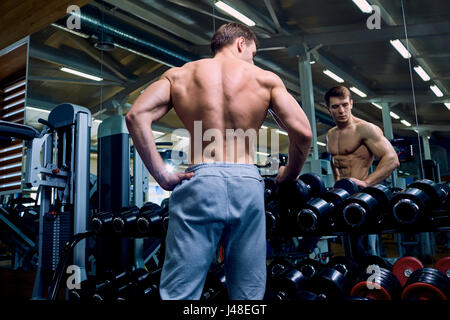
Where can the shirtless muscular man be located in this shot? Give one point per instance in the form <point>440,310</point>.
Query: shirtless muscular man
<point>353,143</point>
<point>218,197</point>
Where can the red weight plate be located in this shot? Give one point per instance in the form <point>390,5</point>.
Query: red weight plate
<point>422,291</point>
<point>361,289</point>
<point>443,265</point>
<point>403,268</point>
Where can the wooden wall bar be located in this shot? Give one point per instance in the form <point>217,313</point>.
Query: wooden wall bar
<point>22,18</point>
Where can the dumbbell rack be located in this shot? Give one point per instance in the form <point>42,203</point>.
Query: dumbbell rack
<point>379,220</point>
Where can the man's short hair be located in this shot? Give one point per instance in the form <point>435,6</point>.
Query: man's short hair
<point>339,91</point>
<point>229,32</point>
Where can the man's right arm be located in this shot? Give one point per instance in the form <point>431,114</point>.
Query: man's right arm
<point>293,119</point>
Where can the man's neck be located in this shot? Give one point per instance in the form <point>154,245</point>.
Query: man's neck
<point>225,53</point>
<point>344,125</point>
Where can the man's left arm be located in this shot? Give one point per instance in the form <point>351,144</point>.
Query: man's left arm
<point>149,107</point>
<point>381,148</point>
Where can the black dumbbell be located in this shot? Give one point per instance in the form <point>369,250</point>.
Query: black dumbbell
<point>318,213</point>
<point>348,185</point>
<point>125,221</point>
<point>368,207</point>
<point>334,281</point>
<point>427,284</point>
<point>101,223</point>
<point>411,204</point>
<point>270,190</point>
<point>140,285</point>
<point>153,221</point>
<point>107,290</point>
<point>129,289</point>
<point>286,284</point>
<point>294,194</point>
<point>273,218</point>
<point>346,266</point>
<point>309,267</point>
<point>278,265</point>
<point>329,283</point>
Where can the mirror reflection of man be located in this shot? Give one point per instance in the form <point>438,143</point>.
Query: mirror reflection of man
<point>353,143</point>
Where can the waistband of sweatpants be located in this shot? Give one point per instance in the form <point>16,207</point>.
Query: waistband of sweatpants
<point>230,165</point>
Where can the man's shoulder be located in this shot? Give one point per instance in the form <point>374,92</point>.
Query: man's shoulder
<point>367,128</point>
<point>187,67</point>
<point>269,78</point>
<point>171,73</point>
<point>332,130</point>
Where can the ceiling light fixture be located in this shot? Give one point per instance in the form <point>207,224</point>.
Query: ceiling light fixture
<point>81,74</point>
<point>333,76</point>
<point>233,12</point>
<point>436,91</point>
<point>400,48</point>
<point>422,73</point>
<point>363,5</point>
<point>358,92</point>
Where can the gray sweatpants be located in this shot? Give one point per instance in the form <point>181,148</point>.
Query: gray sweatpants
<point>220,200</point>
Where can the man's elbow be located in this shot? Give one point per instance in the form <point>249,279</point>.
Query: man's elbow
<point>301,136</point>
<point>394,162</point>
<point>130,119</point>
<point>308,137</point>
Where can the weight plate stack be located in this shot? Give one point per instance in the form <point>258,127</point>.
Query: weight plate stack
<point>426,284</point>
<point>379,285</point>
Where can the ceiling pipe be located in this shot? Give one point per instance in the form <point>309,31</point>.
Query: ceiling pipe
<point>97,23</point>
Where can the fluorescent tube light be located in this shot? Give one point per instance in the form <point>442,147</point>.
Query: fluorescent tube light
<point>363,5</point>
<point>422,73</point>
<point>406,123</point>
<point>333,76</point>
<point>81,74</point>
<point>377,105</point>
<point>401,48</point>
<point>233,12</point>
<point>436,91</point>
<point>358,92</point>
<point>394,115</point>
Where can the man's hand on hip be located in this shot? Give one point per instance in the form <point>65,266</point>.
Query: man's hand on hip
<point>170,180</point>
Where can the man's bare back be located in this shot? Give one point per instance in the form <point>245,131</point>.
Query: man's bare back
<point>351,158</point>
<point>222,94</point>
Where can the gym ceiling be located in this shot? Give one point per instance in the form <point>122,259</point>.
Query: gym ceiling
<point>334,32</point>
